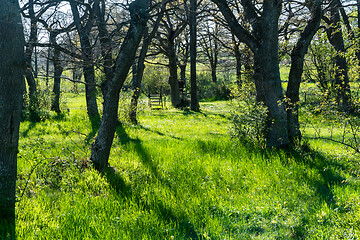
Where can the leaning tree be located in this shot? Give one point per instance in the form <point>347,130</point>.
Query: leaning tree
<point>111,89</point>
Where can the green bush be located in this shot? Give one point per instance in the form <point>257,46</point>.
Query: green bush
<point>248,117</point>
<point>211,91</point>
<point>38,108</point>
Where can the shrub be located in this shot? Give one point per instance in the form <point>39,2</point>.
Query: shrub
<point>38,108</point>
<point>248,117</point>
<point>211,91</point>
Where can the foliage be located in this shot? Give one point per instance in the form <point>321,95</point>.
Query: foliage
<point>210,91</point>
<point>124,106</point>
<point>38,108</point>
<point>248,117</point>
<point>328,123</point>
<point>155,78</point>
<point>320,68</point>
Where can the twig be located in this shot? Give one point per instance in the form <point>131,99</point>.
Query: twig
<point>357,150</point>
<point>31,172</point>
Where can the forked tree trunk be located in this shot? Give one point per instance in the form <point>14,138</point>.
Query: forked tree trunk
<point>88,66</point>
<point>263,41</point>
<point>101,148</point>
<point>140,67</point>
<point>11,87</point>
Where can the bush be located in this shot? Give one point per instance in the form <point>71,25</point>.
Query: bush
<point>156,78</point>
<point>38,108</point>
<point>211,91</point>
<point>248,117</point>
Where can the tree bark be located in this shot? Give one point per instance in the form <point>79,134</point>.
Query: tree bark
<point>194,104</point>
<point>237,54</point>
<point>183,74</point>
<point>268,82</point>
<point>12,63</point>
<point>213,65</point>
<point>101,148</point>
<point>173,78</point>
<point>296,70</point>
<point>58,69</point>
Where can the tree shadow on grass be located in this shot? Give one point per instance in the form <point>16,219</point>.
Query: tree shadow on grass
<point>29,128</point>
<point>157,205</point>
<point>157,132</point>
<point>187,112</point>
<point>95,124</point>
<point>329,170</point>
<point>7,229</point>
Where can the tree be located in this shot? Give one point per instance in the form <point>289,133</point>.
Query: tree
<point>12,65</point>
<point>83,29</point>
<point>140,64</point>
<point>194,105</point>
<point>28,56</point>
<point>296,70</point>
<point>58,69</point>
<point>171,26</point>
<point>101,148</point>
<point>335,36</point>
<point>263,42</point>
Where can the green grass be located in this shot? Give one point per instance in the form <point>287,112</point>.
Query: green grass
<point>179,175</point>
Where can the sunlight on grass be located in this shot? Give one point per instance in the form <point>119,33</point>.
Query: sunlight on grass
<point>179,175</point>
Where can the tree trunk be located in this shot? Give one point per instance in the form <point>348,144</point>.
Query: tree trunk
<point>268,82</point>
<point>101,148</point>
<point>47,68</point>
<point>105,42</point>
<point>341,84</point>
<point>183,80</point>
<point>12,86</point>
<point>58,69</point>
<point>296,70</point>
<point>213,65</point>
<point>173,78</point>
<point>194,105</point>
<point>238,62</point>
<point>88,68</point>
<point>28,56</point>
<point>90,92</point>
<point>140,67</point>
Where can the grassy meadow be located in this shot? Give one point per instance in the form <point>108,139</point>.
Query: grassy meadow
<point>180,175</point>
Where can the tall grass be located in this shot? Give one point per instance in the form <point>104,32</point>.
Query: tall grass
<point>179,175</point>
